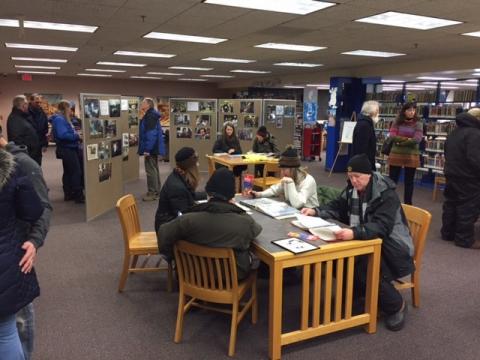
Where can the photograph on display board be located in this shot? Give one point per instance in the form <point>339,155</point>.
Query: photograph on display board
<point>104,108</point>
<point>110,127</point>
<point>104,171</point>
<point>125,141</point>
<point>179,106</point>
<point>48,103</point>
<point>226,106</point>
<point>124,105</point>
<point>232,118</point>
<point>202,120</point>
<point>163,108</point>
<point>92,152</point>
<point>279,122</point>
<point>132,140</point>
<point>132,113</point>
<point>104,150</point>
<point>202,133</point>
<point>279,109</point>
<point>95,126</point>
<point>114,106</point>
<point>245,134</point>
<point>250,121</point>
<point>207,106</point>
<point>247,107</point>
<point>270,113</point>
<point>125,150</point>
<point>181,119</point>
<point>116,147</point>
<point>184,132</point>
<point>192,106</point>
<point>289,110</point>
<point>92,108</point>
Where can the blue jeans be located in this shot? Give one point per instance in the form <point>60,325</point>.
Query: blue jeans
<point>26,327</point>
<point>10,346</point>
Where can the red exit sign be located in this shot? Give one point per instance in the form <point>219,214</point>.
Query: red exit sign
<point>26,77</point>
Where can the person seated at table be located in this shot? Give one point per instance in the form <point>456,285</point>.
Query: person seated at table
<point>264,143</point>
<point>228,143</point>
<point>372,209</point>
<point>297,187</point>
<point>178,192</point>
<point>217,223</point>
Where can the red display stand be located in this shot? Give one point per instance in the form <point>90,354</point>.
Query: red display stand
<point>312,142</point>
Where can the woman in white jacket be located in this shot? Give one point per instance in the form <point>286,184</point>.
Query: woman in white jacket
<point>297,187</point>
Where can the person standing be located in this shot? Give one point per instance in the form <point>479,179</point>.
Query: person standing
<point>461,207</point>
<point>364,138</point>
<point>263,143</point>
<point>20,129</point>
<point>151,146</point>
<point>39,122</point>
<point>406,133</point>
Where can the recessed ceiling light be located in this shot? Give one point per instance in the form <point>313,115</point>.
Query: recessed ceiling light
<point>218,76</point>
<point>475,33</point>
<point>9,23</point>
<point>97,75</point>
<point>434,78</point>
<point>40,47</point>
<point>38,59</point>
<point>251,71</point>
<point>36,72</point>
<point>392,18</point>
<point>59,26</point>
<point>293,87</point>
<point>180,37</point>
<point>319,86</point>
<point>242,61</point>
<point>144,54</point>
<point>473,80</point>
<point>291,47</point>
<point>119,64</point>
<point>107,70</point>
<point>37,67</point>
<point>185,79</point>
<point>300,7</point>
<point>145,77</point>
<point>476,74</point>
<point>372,53</point>
<point>297,64</point>
<point>163,73</point>
<point>392,81</point>
<point>190,68</point>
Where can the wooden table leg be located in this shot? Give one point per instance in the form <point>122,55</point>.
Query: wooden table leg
<point>371,300</point>
<point>275,311</point>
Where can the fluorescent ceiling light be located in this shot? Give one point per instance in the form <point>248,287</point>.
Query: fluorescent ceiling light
<point>372,53</point>
<point>58,26</point>
<point>317,85</point>
<point>97,75</point>
<point>242,61</point>
<point>300,7</point>
<point>291,47</point>
<point>450,87</point>
<point>472,80</point>
<point>189,68</point>
<point>9,23</point>
<point>145,77</point>
<point>293,87</point>
<point>145,54</point>
<point>251,71</point>
<point>218,76</point>
<point>106,70</point>
<point>185,79</point>
<point>297,64</point>
<point>392,81</point>
<point>37,67</point>
<point>40,47</point>
<point>392,18</point>
<point>38,59</point>
<point>434,78</point>
<point>36,72</point>
<point>475,33</point>
<point>163,73</point>
<point>476,74</point>
<point>119,64</point>
<point>180,37</point>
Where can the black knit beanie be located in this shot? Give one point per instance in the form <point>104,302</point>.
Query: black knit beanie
<point>289,159</point>
<point>221,184</point>
<point>360,164</point>
<point>186,158</point>
<point>262,131</point>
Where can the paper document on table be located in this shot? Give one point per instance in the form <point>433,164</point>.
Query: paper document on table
<point>273,208</point>
<point>325,233</point>
<point>312,221</point>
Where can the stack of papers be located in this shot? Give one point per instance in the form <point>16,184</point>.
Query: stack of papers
<point>273,208</point>
<point>317,226</point>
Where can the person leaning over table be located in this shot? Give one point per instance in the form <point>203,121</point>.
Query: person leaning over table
<point>217,223</point>
<point>297,186</point>
<point>372,209</point>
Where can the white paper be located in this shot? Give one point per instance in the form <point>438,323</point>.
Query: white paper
<point>326,233</point>
<point>312,221</point>
<point>192,106</point>
<point>279,109</point>
<point>347,132</point>
<point>124,105</point>
<point>104,108</point>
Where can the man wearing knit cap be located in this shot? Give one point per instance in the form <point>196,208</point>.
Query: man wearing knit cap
<point>372,209</point>
<point>178,192</point>
<point>297,187</point>
<point>264,143</point>
<point>217,223</point>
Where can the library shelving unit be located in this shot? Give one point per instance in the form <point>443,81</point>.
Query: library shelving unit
<point>312,142</point>
<point>388,112</point>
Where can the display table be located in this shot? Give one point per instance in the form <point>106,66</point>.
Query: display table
<point>230,161</point>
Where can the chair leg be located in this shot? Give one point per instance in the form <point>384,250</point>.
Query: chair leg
<point>169,277</point>
<point>180,315</point>
<point>124,274</point>
<point>134,261</point>
<point>255,302</point>
<point>233,329</point>
<point>416,292</point>
<point>434,194</point>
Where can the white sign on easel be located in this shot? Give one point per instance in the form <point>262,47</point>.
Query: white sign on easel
<point>346,138</point>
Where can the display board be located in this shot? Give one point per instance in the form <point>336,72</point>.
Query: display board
<point>102,124</point>
<point>279,119</point>
<point>193,123</point>
<point>246,116</point>
<point>128,129</point>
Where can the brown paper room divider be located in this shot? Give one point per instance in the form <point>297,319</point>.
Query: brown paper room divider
<point>193,123</point>
<point>129,133</point>
<point>103,173</point>
<point>279,119</point>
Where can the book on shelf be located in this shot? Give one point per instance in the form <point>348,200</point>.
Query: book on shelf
<point>276,209</point>
<point>325,230</point>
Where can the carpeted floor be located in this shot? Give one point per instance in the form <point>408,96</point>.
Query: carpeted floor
<point>80,315</point>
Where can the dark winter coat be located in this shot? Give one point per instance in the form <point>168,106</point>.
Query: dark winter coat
<point>267,146</point>
<point>21,131</point>
<point>214,224</point>
<point>176,196</point>
<point>364,139</point>
<point>40,123</point>
<point>384,218</point>
<point>223,144</point>
<point>18,201</point>
<point>150,134</point>
<point>64,132</point>
<point>462,150</point>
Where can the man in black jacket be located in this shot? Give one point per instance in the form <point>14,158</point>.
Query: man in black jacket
<point>364,138</point>
<point>39,121</point>
<point>461,207</point>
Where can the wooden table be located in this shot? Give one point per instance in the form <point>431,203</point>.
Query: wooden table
<point>230,161</point>
<point>331,308</point>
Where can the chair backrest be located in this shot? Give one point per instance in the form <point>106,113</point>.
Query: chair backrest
<point>271,168</point>
<point>205,270</point>
<point>128,214</point>
<point>418,223</point>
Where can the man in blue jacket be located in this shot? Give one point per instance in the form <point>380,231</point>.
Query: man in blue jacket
<point>150,146</point>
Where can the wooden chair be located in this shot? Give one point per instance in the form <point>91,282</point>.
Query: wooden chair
<point>266,181</point>
<point>439,180</point>
<point>210,275</point>
<point>136,242</point>
<point>418,223</point>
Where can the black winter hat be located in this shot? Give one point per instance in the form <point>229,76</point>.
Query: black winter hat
<point>360,164</point>
<point>186,158</point>
<point>262,131</point>
<point>221,184</point>
<point>289,158</point>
